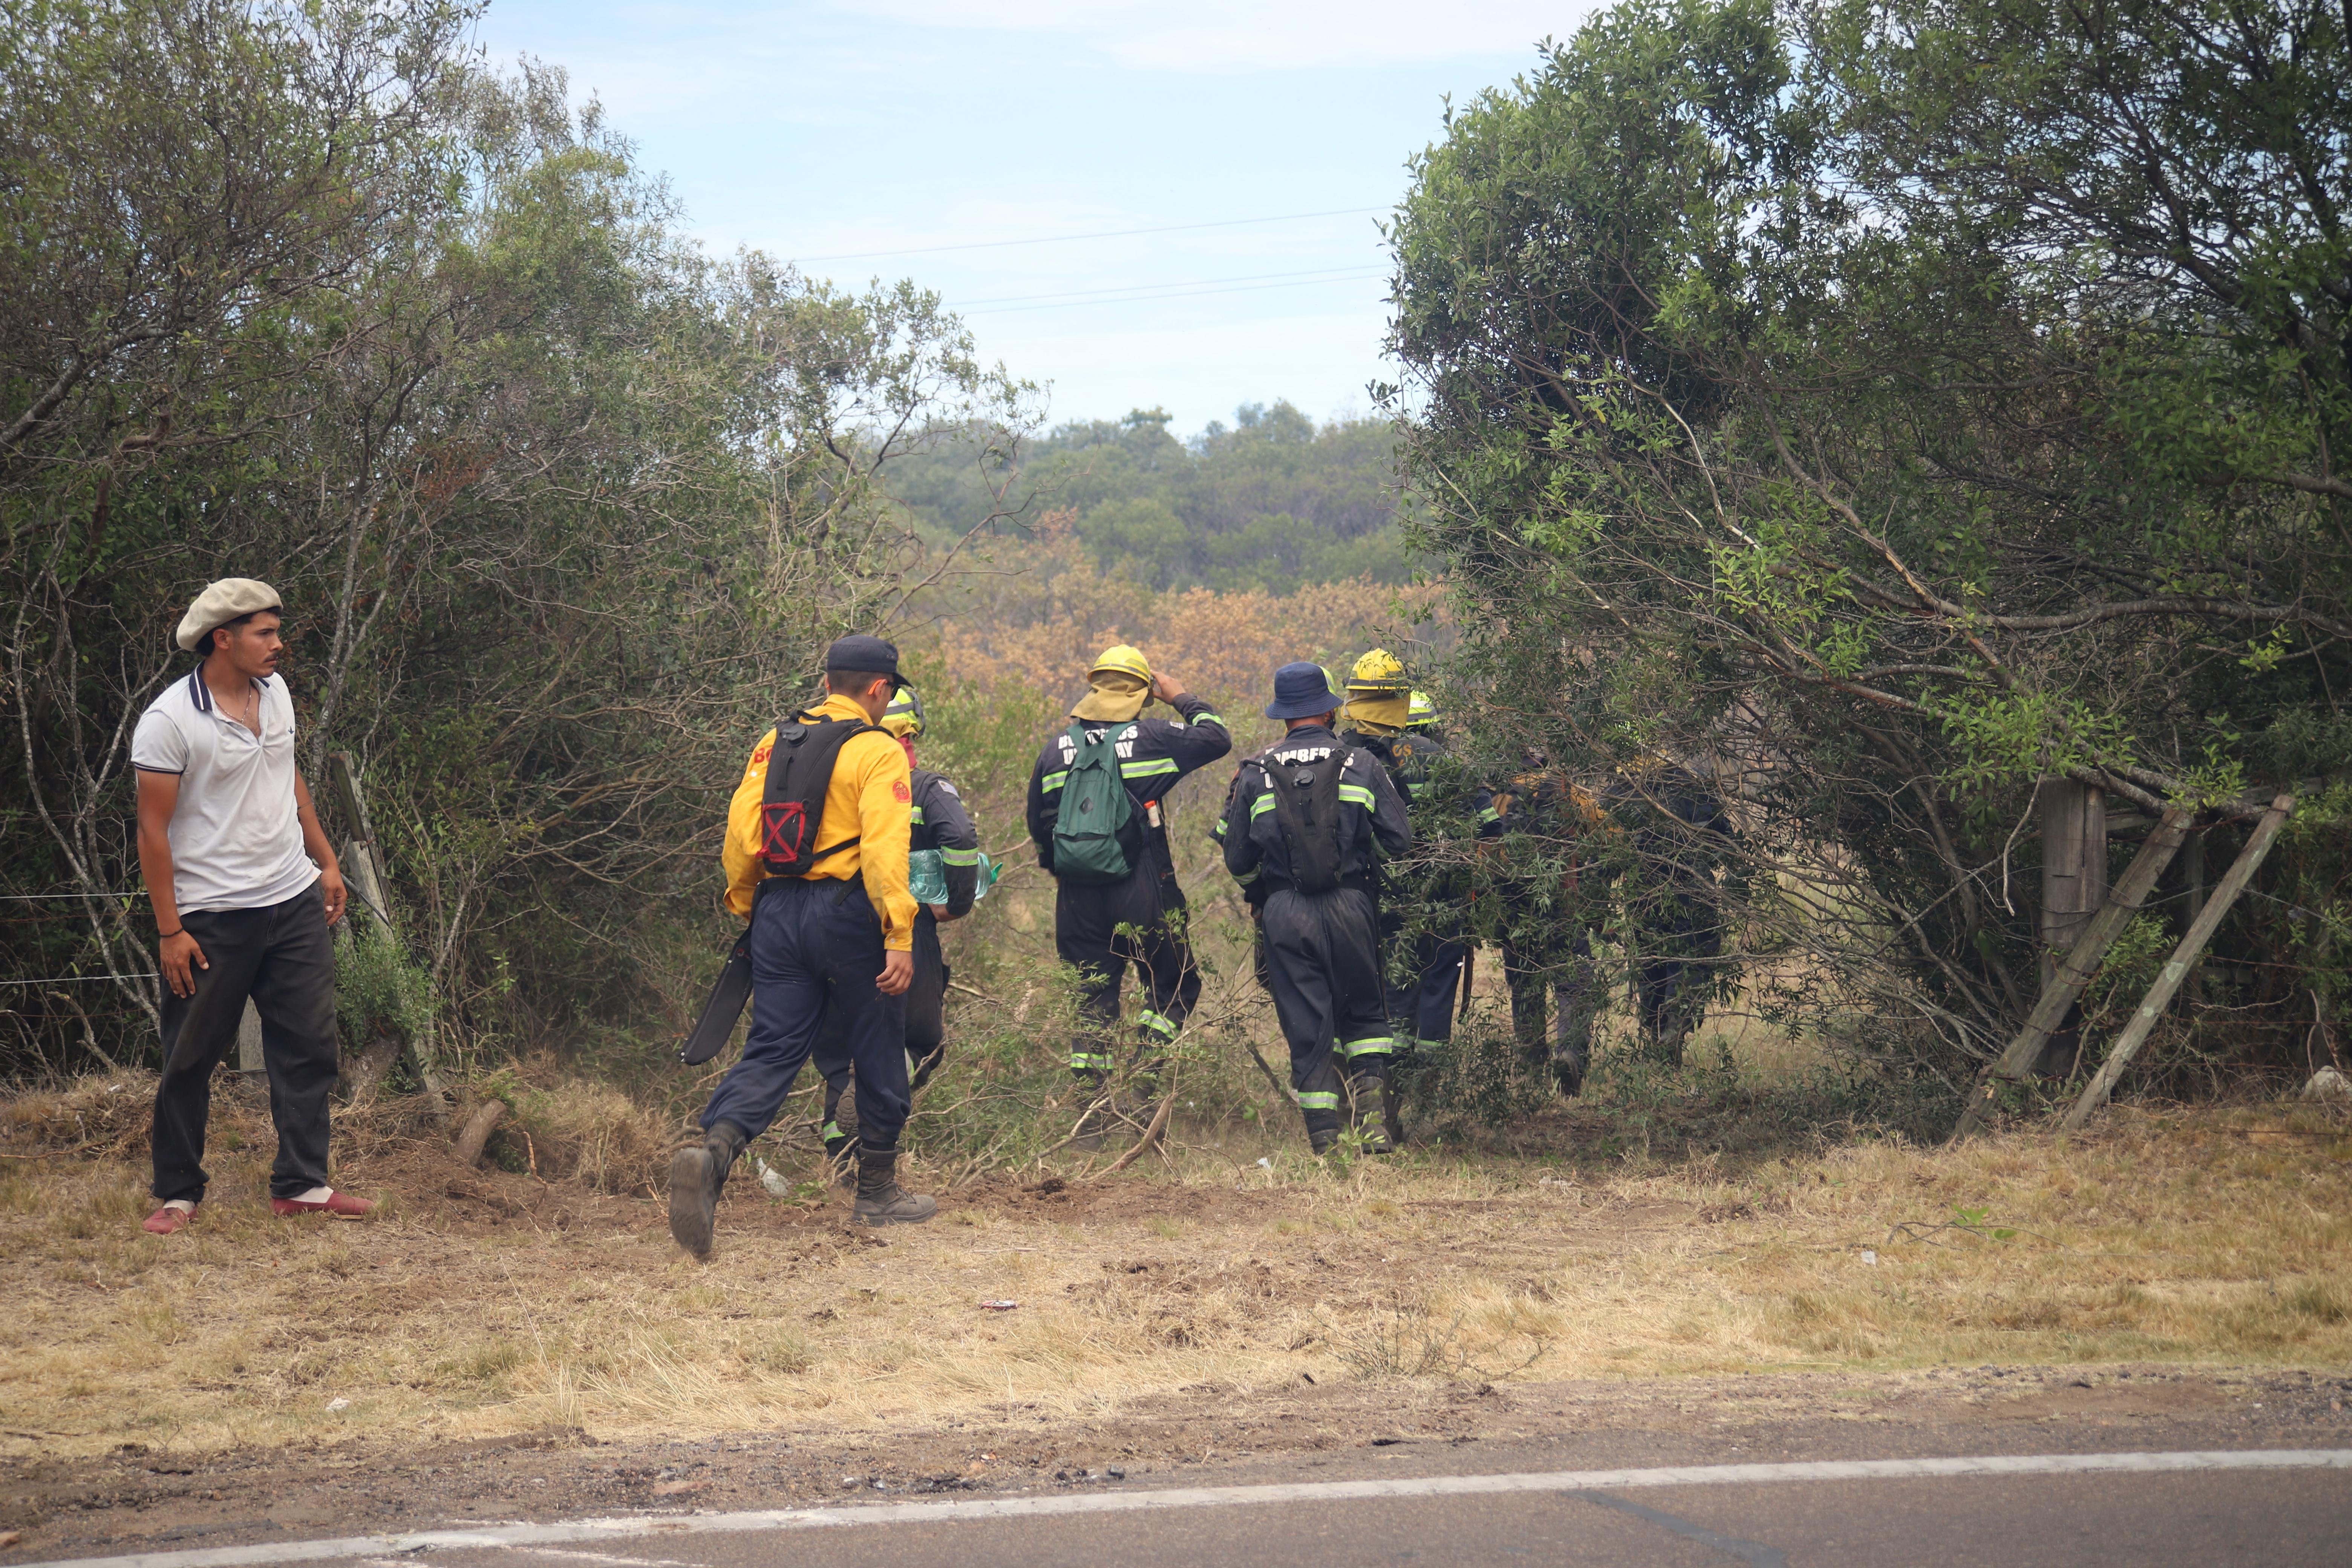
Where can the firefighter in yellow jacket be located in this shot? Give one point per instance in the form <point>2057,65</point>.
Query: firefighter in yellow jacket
<point>816,858</point>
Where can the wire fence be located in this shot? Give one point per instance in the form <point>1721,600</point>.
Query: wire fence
<point>79,979</point>
<point>43,897</point>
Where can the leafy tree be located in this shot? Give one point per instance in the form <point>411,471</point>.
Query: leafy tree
<point>1885,407</point>
<point>562,510</point>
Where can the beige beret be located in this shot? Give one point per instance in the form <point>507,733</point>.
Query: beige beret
<point>222,603</point>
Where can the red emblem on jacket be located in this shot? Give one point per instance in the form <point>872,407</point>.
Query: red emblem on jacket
<point>906,796</point>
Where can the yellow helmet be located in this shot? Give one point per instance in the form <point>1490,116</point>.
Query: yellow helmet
<point>1124,660</point>
<point>1422,710</point>
<point>1379,670</point>
<point>903,717</point>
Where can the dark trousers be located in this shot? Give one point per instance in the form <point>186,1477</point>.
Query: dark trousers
<point>816,945</point>
<point>1323,962</point>
<point>1423,976</point>
<point>1673,975</point>
<point>1087,936</point>
<point>1573,980</point>
<point>284,958</point>
<point>926,1002</point>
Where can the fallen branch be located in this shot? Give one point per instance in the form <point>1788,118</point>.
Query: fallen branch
<point>1152,1134</point>
<point>1280,1088</point>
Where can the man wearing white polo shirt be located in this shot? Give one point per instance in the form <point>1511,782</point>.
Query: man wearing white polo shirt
<point>245,887</point>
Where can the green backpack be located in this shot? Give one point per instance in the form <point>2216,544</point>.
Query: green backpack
<point>1096,840</point>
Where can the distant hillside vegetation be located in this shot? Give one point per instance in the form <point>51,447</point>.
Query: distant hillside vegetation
<point>1272,503</point>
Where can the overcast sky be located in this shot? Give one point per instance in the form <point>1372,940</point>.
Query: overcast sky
<point>837,131</point>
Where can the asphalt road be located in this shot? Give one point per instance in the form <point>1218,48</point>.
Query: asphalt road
<point>2206,1509</point>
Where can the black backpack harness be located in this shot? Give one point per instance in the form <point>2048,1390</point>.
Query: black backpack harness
<point>1305,780</point>
<point>792,807</point>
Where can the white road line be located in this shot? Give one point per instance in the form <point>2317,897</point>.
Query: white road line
<point>527,1536</point>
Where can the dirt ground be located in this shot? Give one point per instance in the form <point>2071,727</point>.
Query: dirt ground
<point>492,1345</point>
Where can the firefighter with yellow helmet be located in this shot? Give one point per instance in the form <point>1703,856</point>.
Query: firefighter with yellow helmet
<point>1097,814</point>
<point>1421,948</point>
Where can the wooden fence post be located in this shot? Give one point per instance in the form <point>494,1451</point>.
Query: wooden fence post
<point>249,1041</point>
<point>366,881</point>
<point>2193,944</point>
<point>2075,970</point>
<point>2073,890</point>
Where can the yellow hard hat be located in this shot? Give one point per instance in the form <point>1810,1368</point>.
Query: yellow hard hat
<point>1379,670</point>
<point>1422,710</point>
<point>903,717</point>
<point>1123,660</point>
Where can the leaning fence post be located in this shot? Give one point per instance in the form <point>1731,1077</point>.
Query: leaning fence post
<point>2192,943</point>
<point>2074,972</point>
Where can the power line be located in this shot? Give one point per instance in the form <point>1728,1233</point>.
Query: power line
<point>1107,233</point>
<point>1133,287</point>
<point>1150,299</point>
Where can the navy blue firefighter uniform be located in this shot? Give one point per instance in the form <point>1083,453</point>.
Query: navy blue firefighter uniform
<point>816,857</point>
<point>1425,966</point>
<point>1551,880</point>
<point>1423,920</point>
<point>1674,908</point>
<point>943,824</point>
<point>1307,863</point>
<point>1154,755</point>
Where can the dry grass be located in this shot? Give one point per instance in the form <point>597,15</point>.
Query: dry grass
<point>479,1304</point>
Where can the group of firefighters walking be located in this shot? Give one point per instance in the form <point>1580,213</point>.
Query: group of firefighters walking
<point>843,857</point>
<point>833,823</point>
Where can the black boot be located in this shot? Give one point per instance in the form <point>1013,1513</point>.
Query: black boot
<point>1568,1071</point>
<point>1371,1114</point>
<point>1401,1071</point>
<point>880,1199</point>
<point>1572,1045</point>
<point>696,1173</point>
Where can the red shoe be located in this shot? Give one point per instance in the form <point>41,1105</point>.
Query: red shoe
<point>342,1205</point>
<point>169,1221</point>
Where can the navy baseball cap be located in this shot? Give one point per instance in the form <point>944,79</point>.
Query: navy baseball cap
<point>865,656</point>
<point>1301,691</point>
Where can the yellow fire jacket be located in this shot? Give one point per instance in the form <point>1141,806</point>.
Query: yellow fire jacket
<point>870,799</point>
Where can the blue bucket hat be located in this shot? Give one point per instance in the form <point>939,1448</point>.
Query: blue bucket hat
<point>1301,690</point>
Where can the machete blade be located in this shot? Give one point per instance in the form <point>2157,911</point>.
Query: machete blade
<point>726,1004</point>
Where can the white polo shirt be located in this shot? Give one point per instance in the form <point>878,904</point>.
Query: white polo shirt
<point>237,838</point>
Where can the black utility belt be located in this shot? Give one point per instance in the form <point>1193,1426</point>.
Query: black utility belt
<point>1358,882</point>
<point>840,887</point>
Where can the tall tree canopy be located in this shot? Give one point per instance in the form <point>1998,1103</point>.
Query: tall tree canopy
<point>561,510</point>
<point>1895,403</point>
